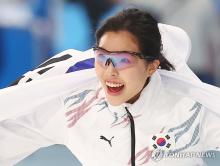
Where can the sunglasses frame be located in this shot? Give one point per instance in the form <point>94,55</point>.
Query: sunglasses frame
<point>138,54</point>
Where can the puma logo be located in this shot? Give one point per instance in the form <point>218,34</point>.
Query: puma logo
<point>109,141</point>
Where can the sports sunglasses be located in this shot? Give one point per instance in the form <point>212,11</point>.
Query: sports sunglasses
<point>119,59</point>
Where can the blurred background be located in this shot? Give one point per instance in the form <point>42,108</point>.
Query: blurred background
<point>32,31</point>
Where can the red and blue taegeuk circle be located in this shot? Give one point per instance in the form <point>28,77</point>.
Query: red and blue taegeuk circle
<point>161,141</point>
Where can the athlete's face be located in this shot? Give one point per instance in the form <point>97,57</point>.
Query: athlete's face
<point>121,74</point>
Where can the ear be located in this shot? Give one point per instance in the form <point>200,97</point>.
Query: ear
<point>152,67</point>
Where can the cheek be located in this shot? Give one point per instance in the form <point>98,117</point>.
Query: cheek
<point>135,78</point>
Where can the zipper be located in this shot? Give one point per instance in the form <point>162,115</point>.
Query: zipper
<point>132,136</point>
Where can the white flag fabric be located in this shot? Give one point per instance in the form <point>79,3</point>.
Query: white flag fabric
<point>31,115</point>
<point>30,111</point>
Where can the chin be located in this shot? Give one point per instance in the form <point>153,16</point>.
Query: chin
<point>115,102</point>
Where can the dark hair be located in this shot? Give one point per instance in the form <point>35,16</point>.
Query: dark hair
<point>143,26</point>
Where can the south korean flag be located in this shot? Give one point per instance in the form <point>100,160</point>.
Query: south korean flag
<point>65,62</point>
<point>162,141</point>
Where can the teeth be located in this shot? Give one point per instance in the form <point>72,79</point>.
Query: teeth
<point>113,84</point>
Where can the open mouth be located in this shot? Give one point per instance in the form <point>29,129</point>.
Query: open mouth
<point>114,88</point>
